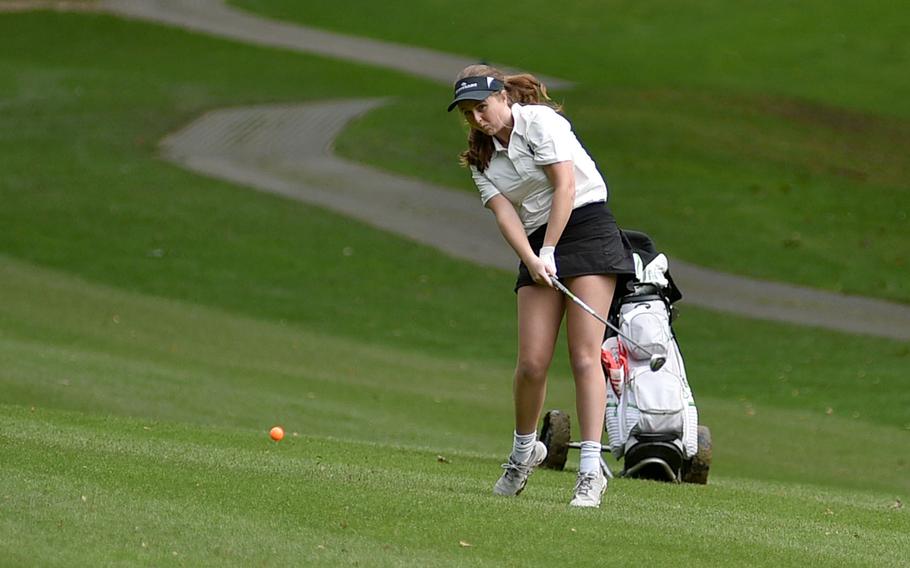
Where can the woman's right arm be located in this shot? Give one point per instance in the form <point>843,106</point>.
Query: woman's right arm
<point>514,232</point>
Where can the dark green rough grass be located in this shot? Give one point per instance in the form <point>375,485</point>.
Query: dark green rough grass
<point>851,54</point>
<point>778,130</point>
<point>82,189</point>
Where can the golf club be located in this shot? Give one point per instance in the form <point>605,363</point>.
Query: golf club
<point>656,361</point>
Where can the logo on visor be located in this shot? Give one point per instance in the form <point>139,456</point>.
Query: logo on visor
<point>464,86</point>
<point>490,82</point>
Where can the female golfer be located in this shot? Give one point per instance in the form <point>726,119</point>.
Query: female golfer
<point>550,204</point>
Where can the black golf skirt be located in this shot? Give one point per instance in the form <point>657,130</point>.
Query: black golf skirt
<point>591,243</point>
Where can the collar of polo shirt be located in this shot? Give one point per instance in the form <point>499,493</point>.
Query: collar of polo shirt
<point>519,126</point>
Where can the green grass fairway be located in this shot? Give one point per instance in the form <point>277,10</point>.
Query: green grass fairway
<point>80,490</point>
<point>155,324</point>
<point>138,434</point>
<point>776,128</point>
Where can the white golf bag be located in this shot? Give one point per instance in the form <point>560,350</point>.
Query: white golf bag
<point>651,417</point>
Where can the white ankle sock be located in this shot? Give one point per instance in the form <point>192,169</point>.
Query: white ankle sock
<point>590,456</point>
<point>522,446</point>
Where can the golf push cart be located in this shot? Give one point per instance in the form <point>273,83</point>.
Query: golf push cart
<point>651,418</point>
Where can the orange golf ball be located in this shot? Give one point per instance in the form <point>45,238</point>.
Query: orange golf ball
<point>276,433</point>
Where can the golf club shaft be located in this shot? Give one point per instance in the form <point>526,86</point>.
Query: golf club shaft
<point>562,288</point>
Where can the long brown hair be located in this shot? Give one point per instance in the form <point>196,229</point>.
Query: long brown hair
<point>523,88</point>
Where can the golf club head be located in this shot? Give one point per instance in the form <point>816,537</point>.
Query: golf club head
<point>657,361</point>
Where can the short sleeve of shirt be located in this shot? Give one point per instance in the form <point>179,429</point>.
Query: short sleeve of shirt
<point>484,186</point>
<point>550,136</point>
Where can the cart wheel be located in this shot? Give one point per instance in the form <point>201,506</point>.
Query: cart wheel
<point>697,472</point>
<point>555,436</point>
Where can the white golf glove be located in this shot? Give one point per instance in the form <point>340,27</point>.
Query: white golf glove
<point>654,272</point>
<point>546,255</point>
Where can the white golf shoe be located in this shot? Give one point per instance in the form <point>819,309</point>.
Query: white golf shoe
<point>589,489</point>
<point>515,476</point>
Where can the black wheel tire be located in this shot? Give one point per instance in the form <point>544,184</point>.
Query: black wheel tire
<point>555,434</point>
<point>697,472</point>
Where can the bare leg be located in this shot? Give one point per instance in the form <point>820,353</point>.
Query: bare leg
<point>585,336</point>
<point>540,311</point>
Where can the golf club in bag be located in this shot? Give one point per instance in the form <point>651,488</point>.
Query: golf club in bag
<point>650,415</point>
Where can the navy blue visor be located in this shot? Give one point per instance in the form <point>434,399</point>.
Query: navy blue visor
<point>475,89</point>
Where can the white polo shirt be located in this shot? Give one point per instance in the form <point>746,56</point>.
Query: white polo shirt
<point>540,136</point>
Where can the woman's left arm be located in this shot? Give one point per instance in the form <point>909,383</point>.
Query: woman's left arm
<point>562,177</point>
